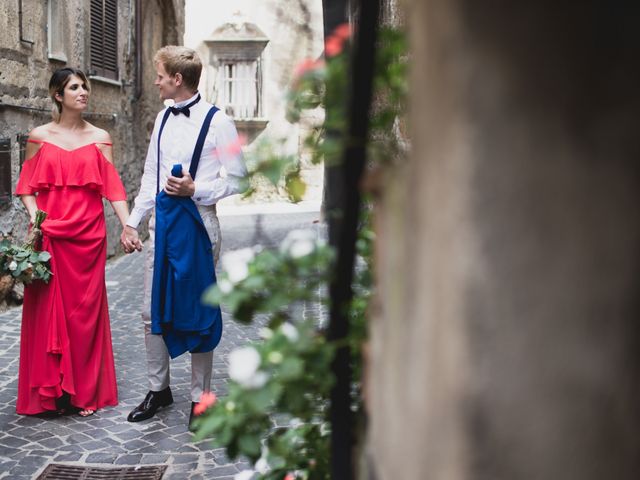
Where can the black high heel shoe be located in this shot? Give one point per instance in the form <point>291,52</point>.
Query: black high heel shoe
<point>63,404</point>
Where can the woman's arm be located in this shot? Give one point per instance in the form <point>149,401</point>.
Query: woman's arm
<point>29,202</point>
<point>122,211</point>
<point>129,237</point>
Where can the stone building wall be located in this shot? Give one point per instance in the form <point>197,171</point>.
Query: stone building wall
<point>116,106</point>
<point>294,30</point>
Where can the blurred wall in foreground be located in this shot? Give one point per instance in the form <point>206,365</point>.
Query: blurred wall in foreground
<point>506,341</point>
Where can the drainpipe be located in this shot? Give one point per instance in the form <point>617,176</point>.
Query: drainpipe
<point>138,87</point>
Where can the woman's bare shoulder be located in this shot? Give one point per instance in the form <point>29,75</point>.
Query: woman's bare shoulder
<point>100,135</point>
<point>41,133</point>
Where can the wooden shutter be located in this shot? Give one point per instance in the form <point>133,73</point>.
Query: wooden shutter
<point>104,38</point>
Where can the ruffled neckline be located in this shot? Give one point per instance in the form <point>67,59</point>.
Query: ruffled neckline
<point>53,166</point>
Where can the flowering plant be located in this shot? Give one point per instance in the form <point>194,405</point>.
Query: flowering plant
<point>256,280</point>
<point>276,411</point>
<point>23,262</point>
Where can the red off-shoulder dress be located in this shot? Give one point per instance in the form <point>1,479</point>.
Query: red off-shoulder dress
<point>65,343</point>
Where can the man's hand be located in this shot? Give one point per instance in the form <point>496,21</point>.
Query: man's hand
<point>181,187</point>
<point>129,239</point>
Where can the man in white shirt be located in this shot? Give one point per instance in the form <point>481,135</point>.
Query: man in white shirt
<point>178,74</point>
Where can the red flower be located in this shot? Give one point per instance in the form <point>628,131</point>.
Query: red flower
<point>207,399</point>
<point>343,31</point>
<point>335,42</point>
<point>289,476</point>
<point>333,46</point>
<point>307,65</point>
<point>235,147</point>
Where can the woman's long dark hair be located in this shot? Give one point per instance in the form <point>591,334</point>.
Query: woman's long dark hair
<point>58,81</point>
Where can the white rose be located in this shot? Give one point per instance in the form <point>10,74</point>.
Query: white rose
<point>244,475</point>
<point>13,265</point>
<point>289,331</point>
<point>243,368</point>
<point>302,248</point>
<point>262,466</point>
<point>225,286</point>
<point>235,263</point>
<point>299,243</point>
<point>266,333</point>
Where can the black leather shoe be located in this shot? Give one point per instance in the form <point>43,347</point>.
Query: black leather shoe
<point>192,415</point>
<point>152,402</point>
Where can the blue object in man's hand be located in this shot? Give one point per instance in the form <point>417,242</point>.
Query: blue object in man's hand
<point>176,170</point>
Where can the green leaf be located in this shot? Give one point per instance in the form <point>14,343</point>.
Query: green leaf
<point>296,188</point>
<point>249,444</point>
<point>22,255</point>
<point>291,368</point>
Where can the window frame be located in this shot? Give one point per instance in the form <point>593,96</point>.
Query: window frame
<point>103,39</point>
<point>6,190</point>
<point>55,38</point>
<point>231,82</point>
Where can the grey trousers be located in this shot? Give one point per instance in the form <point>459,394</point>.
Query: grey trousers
<point>157,354</point>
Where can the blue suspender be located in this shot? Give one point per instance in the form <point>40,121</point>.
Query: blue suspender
<point>197,152</point>
<point>164,120</point>
<point>195,159</point>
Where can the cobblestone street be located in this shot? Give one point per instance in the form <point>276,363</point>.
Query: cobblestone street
<point>29,444</point>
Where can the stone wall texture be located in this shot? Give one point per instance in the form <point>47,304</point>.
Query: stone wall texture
<point>115,106</point>
<point>505,343</point>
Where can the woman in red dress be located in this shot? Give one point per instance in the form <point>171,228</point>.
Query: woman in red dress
<point>66,357</point>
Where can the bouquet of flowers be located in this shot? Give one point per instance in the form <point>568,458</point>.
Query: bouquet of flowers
<point>23,262</point>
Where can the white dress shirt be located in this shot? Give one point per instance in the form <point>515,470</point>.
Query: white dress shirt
<point>221,149</point>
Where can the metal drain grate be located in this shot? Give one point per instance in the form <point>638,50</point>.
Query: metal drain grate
<point>57,471</point>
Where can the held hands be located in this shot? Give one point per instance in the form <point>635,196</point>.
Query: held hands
<point>180,186</point>
<point>129,240</point>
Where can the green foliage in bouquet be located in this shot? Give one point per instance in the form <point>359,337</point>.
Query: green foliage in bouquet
<point>23,262</point>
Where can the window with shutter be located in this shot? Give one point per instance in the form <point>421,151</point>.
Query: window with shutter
<point>22,143</point>
<point>236,83</point>
<point>241,89</point>
<point>104,38</point>
<point>5,171</point>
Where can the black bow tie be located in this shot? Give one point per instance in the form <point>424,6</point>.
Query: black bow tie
<point>184,110</point>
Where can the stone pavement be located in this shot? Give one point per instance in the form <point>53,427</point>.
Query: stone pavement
<point>28,444</point>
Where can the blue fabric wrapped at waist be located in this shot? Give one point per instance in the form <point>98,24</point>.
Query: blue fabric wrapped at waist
<point>183,269</point>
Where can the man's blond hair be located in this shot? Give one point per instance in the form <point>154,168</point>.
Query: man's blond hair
<point>183,60</point>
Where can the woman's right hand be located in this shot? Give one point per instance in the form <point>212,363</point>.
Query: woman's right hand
<point>34,236</point>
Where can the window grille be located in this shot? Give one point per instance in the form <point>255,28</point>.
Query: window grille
<point>241,89</point>
<point>5,171</point>
<point>22,144</point>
